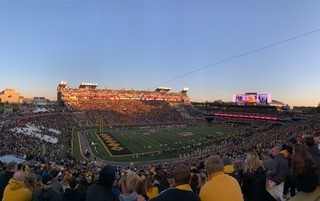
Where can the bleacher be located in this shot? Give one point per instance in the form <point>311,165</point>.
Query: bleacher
<point>82,118</point>
<point>301,196</point>
<point>248,109</point>
<point>123,107</point>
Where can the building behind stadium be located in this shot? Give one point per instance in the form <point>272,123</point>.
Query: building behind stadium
<point>10,96</point>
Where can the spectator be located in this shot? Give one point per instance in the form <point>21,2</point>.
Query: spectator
<point>83,186</point>
<point>31,182</point>
<point>267,160</point>
<point>279,168</point>
<point>284,150</point>
<point>316,138</point>
<point>65,182</point>
<point>72,193</point>
<point>56,185</point>
<point>5,176</point>
<point>164,183</point>
<point>289,156</point>
<point>229,168</point>
<point>254,180</point>
<point>182,191</point>
<point>101,191</point>
<point>314,152</point>
<point>220,185</point>
<point>141,190</point>
<point>115,188</point>
<point>15,190</point>
<point>202,180</point>
<point>129,187</point>
<point>194,183</point>
<point>303,176</point>
<point>46,193</point>
<point>151,190</point>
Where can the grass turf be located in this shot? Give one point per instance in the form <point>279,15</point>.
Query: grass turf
<point>153,140</point>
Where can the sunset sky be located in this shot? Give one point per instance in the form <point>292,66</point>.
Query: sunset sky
<point>145,44</point>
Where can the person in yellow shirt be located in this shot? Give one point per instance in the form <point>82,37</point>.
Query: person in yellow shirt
<point>151,190</point>
<point>15,190</point>
<point>220,185</point>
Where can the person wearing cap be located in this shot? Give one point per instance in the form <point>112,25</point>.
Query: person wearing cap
<point>5,176</point>
<point>183,190</point>
<point>101,191</point>
<point>46,193</point>
<point>229,168</point>
<point>15,190</point>
<point>220,185</point>
<point>56,185</point>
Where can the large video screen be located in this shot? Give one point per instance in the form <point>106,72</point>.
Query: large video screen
<point>252,98</point>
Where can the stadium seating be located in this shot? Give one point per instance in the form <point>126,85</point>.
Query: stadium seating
<point>301,196</point>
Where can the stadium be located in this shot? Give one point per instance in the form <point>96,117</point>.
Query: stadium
<point>149,132</point>
<point>125,125</point>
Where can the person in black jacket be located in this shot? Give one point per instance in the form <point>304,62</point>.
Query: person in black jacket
<point>101,191</point>
<point>5,176</point>
<point>72,193</point>
<point>46,193</point>
<point>254,180</point>
<point>182,191</point>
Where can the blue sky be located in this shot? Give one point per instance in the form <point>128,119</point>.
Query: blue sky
<point>142,44</point>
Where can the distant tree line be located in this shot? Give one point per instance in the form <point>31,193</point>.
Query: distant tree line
<point>307,110</point>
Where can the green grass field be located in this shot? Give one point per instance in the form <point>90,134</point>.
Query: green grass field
<point>151,141</point>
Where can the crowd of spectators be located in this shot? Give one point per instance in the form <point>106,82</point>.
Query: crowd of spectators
<point>69,95</point>
<point>30,146</point>
<point>48,168</point>
<point>128,112</point>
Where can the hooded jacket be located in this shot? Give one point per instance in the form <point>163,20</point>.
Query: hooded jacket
<point>229,169</point>
<point>4,179</point>
<point>15,191</point>
<point>101,191</point>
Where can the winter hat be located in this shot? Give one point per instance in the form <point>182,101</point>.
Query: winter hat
<point>226,160</point>
<point>46,179</point>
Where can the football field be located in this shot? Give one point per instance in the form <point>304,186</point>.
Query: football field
<point>143,144</point>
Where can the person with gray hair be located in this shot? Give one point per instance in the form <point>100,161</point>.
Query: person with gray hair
<point>220,185</point>
<point>15,190</point>
<point>5,176</point>
<point>280,166</point>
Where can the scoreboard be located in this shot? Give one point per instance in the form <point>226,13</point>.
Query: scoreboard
<point>252,98</point>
